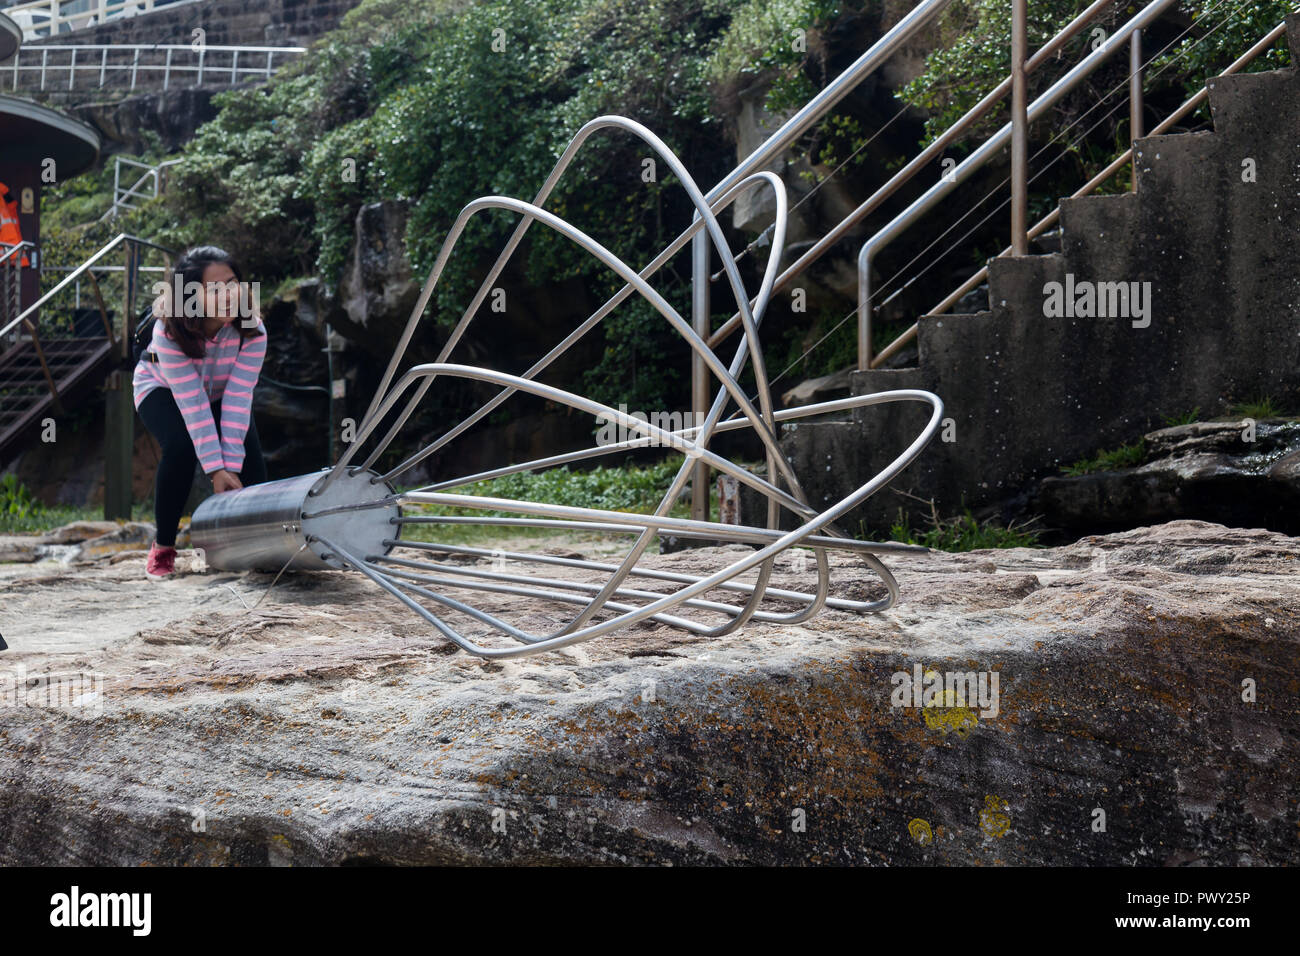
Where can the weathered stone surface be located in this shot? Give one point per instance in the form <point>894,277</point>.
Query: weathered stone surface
<point>173,116</point>
<point>78,531</point>
<point>84,541</point>
<point>1204,470</point>
<point>17,547</point>
<point>327,725</point>
<point>132,535</point>
<point>378,289</point>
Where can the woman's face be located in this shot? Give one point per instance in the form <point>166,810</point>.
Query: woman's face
<point>220,293</point>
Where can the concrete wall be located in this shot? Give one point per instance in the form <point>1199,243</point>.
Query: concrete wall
<point>1028,393</point>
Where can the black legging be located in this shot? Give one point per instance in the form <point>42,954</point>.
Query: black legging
<point>175,478</point>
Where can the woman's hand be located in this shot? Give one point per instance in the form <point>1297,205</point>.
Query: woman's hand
<point>223,480</point>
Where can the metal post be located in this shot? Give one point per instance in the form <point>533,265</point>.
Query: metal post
<point>1135,96</point>
<point>167,69</point>
<point>864,309</point>
<point>45,56</point>
<point>234,67</point>
<point>329,374</point>
<point>202,50</point>
<point>1019,131</point>
<point>103,66</point>
<point>72,67</point>
<point>119,407</point>
<point>135,65</point>
<point>699,376</point>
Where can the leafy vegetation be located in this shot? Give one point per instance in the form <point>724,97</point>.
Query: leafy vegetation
<point>964,532</point>
<point>21,512</point>
<point>1125,456</point>
<point>438,102</point>
<point>16,502</point>
<point>628,488</point>
<point>1258,408</point>
<point>975,39</point>
<point>1185,419</point>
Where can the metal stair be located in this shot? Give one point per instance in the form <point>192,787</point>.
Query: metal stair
<point>46,365</point>
<point>36,375</point>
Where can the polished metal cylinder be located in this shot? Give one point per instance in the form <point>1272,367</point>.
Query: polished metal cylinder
<point>262,527</point>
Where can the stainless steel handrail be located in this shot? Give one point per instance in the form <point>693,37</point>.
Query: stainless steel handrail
<point>903,176</point>
<point>979,158</point>
<point>121,196</point>
<point>72,276</point>
<point>123,57</point>
<point>1054,216</point>
<point>14,249</point>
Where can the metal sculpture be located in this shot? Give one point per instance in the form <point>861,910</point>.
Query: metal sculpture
<point>350,516</point>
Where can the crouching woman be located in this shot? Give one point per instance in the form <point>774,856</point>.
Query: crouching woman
<point>194,389</point>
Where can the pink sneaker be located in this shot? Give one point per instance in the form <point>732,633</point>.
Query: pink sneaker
<point>162,561</point>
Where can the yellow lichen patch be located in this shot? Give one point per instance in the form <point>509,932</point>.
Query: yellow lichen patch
<point>994,819</point>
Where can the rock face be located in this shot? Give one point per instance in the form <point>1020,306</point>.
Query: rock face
<point>378,290</point>
<point>1145,715</point>
<point>174,116</point>
<point>1206,470</point>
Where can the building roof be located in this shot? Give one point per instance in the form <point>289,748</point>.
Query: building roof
<point>32,133</point>
<point>11,37</point>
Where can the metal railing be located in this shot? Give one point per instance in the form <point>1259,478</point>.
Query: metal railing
<point>11,288</point>
<point>29,320</point>
<point>123,196</point>
<point>45,18</point>
<point>873,202</point>
<point>150,64</point>
<point>931,198</point>
<point>1014,133</point>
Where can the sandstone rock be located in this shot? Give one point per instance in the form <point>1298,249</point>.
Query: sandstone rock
<point>130,555</point>
<point>78,531</point>
<point>1204,470</point>
<point>378,289</point>
<point>15,547</point>
<point>131,535</point>
<point>328,725</point>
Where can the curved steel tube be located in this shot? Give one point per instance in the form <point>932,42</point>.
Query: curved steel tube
<point>664,603</point>
<point>405,578</point>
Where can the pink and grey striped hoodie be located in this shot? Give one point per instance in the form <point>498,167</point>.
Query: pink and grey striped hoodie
<point>226,373</point>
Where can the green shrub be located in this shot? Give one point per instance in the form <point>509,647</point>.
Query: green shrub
<point>1257,408</point>
<point>16,502</point>
<point>1125,456</point>
<point>1184,419</point>
<point>964,532</point>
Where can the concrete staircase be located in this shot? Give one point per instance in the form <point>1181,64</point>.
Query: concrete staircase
<point>1213,227</point>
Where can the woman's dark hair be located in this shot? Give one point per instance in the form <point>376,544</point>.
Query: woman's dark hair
<point>187,330</point>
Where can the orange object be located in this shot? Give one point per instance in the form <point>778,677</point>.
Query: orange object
<point>10,233</point>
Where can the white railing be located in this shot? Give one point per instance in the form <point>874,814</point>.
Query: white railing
<point>47,18</point>
<point>60,65</point>
<point>124,197</point>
